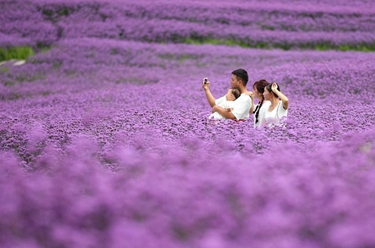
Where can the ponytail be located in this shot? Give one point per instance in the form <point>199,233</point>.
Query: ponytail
<point>259,85</point>
<point>257,110</point>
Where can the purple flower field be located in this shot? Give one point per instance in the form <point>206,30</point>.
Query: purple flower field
<point>338,24</point>
<point>105,140</point>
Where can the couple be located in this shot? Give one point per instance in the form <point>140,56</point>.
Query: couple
<point>267,111</point>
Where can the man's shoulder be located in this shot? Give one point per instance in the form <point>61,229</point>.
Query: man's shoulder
<point>243,98</point>
<point>244,101</point>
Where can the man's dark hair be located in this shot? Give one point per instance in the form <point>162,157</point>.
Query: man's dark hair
<point>241,74</point>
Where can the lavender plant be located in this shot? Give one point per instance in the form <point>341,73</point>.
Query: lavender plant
<point>254,24</point>
<point>105,141</point>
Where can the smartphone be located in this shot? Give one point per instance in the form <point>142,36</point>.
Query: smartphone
<point>205,80</point>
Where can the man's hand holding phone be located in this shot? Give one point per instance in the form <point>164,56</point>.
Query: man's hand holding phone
<point>205,83</point>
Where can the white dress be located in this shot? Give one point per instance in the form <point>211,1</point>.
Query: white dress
<point>262,111</point>
<point>274,117</point>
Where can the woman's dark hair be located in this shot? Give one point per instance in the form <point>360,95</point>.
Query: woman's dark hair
<point>269,88</point>
<point>236,93</point>
<point>259,85</point>
<point>241,74</point>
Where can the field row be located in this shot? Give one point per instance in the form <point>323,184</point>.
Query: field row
<point>105,88</point>
<point>281,25</point>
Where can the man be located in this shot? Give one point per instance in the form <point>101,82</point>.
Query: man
<point>242,104</point>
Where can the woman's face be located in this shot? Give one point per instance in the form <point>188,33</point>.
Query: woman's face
<point>267,95</point>
<point>257,94</point>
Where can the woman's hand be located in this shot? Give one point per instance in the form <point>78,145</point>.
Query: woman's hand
<point>281,96</point>
<point>250,94</point>
<point>274,87</point>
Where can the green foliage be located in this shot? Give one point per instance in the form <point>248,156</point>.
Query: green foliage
<point>42,48</point>
<point>4,70</point>
<point>213,42</point>
<point>323,46</point>
<point>14,96</point>
<point>178,57</point>
<point>22,52</point>
<point>267,27</point>
<point>29,78</point>
<point>55,13</point>
<point>8,83</point>
<point>140,81</point>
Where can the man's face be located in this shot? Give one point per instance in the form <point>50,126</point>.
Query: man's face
<point>234,82</point>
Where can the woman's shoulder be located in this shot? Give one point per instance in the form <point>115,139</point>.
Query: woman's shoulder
<point>281,108</point>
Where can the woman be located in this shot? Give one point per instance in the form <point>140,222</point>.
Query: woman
<point>259,109</point>
<point>279,105</point>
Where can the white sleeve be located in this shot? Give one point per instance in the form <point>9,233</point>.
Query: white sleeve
<point>242,107</point>
<point>281,111</point>
<point>220,100</point>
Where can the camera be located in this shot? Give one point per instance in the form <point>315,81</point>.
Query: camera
<point>205,80</point>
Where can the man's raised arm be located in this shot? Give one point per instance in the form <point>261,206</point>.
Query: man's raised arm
<point>210,98</point>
